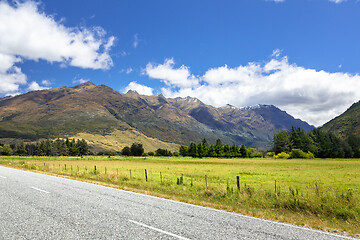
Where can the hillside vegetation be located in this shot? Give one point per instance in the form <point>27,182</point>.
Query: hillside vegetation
<point>346,124</point>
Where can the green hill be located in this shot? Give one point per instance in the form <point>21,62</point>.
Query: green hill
<point>346,124</point>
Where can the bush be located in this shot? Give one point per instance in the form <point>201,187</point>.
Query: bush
<point>126,151</point>
<point>297,153</point>
<point>271,154</point>
<point>282,155</point>
<point>310,155</point>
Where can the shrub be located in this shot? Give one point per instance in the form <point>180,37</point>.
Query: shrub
<point>297,153</point>
<point>282,155</point>
<point>310,155</point>
<point>270,154</point>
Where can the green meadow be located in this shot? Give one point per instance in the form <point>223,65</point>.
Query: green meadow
<point>318,193</point>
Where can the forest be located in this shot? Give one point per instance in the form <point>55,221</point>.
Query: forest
<point>58,147</point>
<point>317,142</point>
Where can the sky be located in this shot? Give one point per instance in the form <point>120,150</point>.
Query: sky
<point>300,55</point>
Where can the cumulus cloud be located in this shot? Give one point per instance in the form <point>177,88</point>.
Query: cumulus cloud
<point>34,86</point>
<point>314,96</point>
<point>141,89</point>
<point>26,33</point>
<point>180,77</point>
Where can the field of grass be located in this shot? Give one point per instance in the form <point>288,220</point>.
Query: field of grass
<point>318,193</point>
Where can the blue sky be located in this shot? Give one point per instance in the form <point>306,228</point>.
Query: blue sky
<point>300,55</point>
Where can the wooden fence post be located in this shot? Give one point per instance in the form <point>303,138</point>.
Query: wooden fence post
<point>238,182</point>
<point>146,175</point>
<point>205,181</point>
<point>275,186</point>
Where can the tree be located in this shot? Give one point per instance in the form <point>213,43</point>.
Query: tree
<point>20,148</point>
<point>193,151</point>
<point>205,148</point>
<point>218,142</point>
<point>354,143</point>
<point>281,142</point>
<point>243,151</point>
<point>137,149</point>
<point>6,150</point>
<point>184,150</point>
<point>126,151</point>
<point>82,147</point>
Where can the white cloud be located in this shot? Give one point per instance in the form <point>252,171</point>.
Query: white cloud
<point>136,41</point>
<point>276,53</point>
<point>26,33</point>
<point>141,89</point>
<point>275,1</point>
<point>34,86</point>
<point>314,96</point>
<point>337,1</point>
<point>46,82</point>
<point>127,71</point>
<point>171,76</point>
<point>80,81</point>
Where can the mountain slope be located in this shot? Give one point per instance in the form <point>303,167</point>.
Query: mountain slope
<point>345,124</point>
<point>99,111</point>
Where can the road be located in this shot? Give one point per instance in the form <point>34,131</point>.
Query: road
<point>37,206</point>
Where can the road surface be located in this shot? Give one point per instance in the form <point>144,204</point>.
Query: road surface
<point>37,206</point>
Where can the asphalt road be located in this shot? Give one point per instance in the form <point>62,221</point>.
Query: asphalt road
<point>37,206</point>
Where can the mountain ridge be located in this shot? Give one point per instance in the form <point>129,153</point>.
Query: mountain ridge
<point>100,110</point>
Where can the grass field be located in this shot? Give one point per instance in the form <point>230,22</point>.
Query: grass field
<point>318,193</point>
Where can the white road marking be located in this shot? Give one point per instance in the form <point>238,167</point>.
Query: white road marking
<point>3,177</point>
<point>159,230</point>
<point>40,190</point>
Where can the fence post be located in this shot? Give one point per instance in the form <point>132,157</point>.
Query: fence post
<point>146,175</point>
<point>95,168</point>
<point>205,181</point>
<point>238,182</point>
<point>275,186</point>
<point>65,166</point>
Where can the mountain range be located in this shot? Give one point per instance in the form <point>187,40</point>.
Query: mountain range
<point>110,120</point>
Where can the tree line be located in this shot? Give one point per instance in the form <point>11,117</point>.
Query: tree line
<point>58,147</point>
<point>317,142</point>
<point>204,149</point>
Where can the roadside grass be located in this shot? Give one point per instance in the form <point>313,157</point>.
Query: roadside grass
<point>317,193</point>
